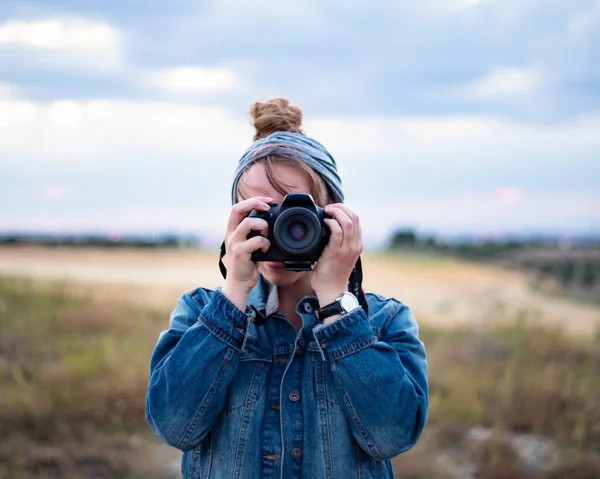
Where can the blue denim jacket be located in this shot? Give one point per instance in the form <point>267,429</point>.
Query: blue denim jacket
<point>247,401</point>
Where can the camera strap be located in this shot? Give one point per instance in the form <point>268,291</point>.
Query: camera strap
<point>355,285</point>
<point>221,265</point>
<point>354,282</point>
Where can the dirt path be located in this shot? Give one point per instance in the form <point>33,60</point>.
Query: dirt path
<point>442,291</point>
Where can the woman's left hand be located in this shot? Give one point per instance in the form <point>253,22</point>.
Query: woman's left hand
<point>332,273</point>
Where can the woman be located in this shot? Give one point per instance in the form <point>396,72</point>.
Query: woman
<point>298,394</point>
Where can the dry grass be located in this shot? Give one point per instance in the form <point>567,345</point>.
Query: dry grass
<point>519,378</point>
<point>443,291</point>
<point>73,375</point>
<point>574,469</point>
<point>106,458</point>
<point>513,379</point>
<point>74,368</point>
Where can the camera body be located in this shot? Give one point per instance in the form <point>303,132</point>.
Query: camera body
<point>296,231</point>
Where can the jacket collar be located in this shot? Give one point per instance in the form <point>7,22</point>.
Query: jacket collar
<point>263,295</point>
<point>265,298</point>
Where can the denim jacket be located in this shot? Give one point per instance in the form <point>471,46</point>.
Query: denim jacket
<point>247,401</point>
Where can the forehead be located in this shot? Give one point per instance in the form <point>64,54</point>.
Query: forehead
<point>255,181</point>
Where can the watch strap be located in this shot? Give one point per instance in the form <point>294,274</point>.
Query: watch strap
<point>355,281</point>
<point>329,310</point>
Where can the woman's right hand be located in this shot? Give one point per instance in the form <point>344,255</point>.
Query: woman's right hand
<point>242,272</point>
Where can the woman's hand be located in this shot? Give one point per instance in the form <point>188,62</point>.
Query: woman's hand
<point>242,272</point>
<point>332,273</point>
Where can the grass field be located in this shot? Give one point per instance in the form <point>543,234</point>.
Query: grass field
<point>511,396</point>
<point>73,374</point>
<point>444,292</point>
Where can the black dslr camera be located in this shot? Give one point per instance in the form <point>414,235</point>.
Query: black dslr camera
<point>297,232</point>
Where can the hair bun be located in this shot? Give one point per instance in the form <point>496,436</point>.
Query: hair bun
<point>275,115</point>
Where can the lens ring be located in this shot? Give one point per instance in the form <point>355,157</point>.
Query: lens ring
<point>287,219</point>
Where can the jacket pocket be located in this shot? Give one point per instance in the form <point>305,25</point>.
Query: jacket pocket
<point>248,384</point>
<point>323,378</point>
<point>197,462</point>
<point>330,386</point>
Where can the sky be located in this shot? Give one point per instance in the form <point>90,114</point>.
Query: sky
<point>447,116</point>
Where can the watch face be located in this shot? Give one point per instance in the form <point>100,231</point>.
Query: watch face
<point>349,302</point>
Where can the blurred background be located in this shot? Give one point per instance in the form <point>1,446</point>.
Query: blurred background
<point>467,134</point>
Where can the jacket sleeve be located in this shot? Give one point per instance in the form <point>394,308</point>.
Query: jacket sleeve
<point>381,381</point>
<point>191,366</point>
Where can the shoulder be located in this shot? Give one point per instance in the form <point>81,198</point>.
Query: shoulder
<point>199,296</point>
<point>188,307</point>
<point>381,306</point>
<point>386,313</point>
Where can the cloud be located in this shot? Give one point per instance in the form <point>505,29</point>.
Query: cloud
<point>451,6</point>
<point>16,114</point>
<point>59,45</point>
<point>454,172</point>
<point>509,195</point>
<point>497,99</point>
<point>195,79</point>
<point>66,129</point>
<point>483,212</point>
<point>524,60</point>
<point>232,14</point>
<point>112,132</point>
<point>467,141</point>
<point>65,113</point>
<point>53,193</point>
<point>504,84</point>
<point>8,91</point>
<point>59,34</point>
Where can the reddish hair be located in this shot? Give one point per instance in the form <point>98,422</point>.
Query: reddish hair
<point>278,115</point>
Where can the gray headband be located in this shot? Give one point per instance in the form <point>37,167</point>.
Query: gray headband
<point>298,146</point>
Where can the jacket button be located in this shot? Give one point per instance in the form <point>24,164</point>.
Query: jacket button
<point>299,351</point>
<point>294,396</point>
<point>308,308</point>
<point>297,453</point>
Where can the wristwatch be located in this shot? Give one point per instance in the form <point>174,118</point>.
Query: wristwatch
<point>344,304</point>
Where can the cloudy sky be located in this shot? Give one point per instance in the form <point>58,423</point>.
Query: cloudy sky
<point>450,116</point>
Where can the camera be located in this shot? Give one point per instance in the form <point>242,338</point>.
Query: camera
<point>296,231</point>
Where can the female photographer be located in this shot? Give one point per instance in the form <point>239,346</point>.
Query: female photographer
<point>288,374</point>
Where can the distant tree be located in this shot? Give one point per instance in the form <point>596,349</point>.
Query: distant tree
<point>403,238</point>
<point>588,275</point>
<point>567,272</point>
<point>430,242</point>
<point>514,244</point>
<point>548,268</point>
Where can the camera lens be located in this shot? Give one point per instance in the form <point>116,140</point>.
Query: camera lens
<point>297,230</point>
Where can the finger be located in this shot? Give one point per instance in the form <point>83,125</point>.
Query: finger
<point>253,244</point>
<point>346,224</point>
<point>357,232</point>
<point>337,235</point>
<point>246,226</point>
<point>242,209</point>
<point>346,209</point>
<point>358,238</point>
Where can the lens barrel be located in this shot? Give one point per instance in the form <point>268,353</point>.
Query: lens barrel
<point>297,231</point>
